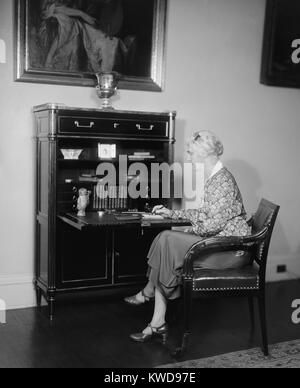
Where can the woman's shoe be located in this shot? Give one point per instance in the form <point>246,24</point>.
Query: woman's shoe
<point>161,331</point>
<point>133,301</point>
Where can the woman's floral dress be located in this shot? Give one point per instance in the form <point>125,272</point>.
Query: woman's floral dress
<point>222,213</point>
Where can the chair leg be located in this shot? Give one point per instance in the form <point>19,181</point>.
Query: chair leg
<point>262,313</point>
<point>174,311</point>
<point>187,310</point>
<point>251,311</point>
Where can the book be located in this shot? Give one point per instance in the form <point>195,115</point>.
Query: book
<point>128,217</point>
<point>140,157</point>
<point>88,178</point>
<point>109,197</point>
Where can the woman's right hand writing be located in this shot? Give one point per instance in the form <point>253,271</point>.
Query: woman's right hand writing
<point>162,211</point>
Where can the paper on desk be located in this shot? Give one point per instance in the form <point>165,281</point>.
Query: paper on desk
<point>146,216</point>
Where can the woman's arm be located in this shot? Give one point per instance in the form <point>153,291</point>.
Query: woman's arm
<point>224,205</point>
<point>190,214</point>
<point>73,12</point>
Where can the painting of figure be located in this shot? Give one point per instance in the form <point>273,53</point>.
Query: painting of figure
<point>78,38</point>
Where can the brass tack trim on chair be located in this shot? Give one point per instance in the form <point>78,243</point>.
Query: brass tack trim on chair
<point>227,288</point>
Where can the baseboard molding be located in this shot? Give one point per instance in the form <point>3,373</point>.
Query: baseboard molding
<point>17,291</point>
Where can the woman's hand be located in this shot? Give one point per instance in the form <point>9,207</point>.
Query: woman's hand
<point>189,230</point>
<point>162,211</point>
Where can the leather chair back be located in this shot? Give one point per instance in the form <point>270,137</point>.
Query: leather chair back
<point>265,216</point>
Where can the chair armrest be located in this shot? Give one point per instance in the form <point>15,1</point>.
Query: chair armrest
<point>220,244</point>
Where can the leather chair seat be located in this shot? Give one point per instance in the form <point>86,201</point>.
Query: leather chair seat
<point>246,278</point>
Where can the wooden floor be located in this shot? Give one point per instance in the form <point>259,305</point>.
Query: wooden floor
<point>94,333</point>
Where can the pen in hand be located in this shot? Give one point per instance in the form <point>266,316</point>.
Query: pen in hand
<point>156,208</point>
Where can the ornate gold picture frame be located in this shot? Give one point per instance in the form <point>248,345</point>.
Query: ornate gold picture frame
<point>67,41</point>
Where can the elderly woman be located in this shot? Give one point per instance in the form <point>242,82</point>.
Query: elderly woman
<point>222,214</point>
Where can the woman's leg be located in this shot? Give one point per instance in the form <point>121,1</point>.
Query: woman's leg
<point>165,260</point>
<point>158,326</point>
<point>166,257</point>
<point>147,292</point>
<point>159,315</point>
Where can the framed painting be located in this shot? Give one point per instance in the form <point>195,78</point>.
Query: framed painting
<point>68,41</point>
<point>281,46</point>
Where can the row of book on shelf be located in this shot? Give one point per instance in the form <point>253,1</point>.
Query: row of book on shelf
<point>110,197</point>
<point>141,156</point>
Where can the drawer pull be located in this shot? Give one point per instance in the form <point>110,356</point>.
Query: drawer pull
<point>84,126</point>
<point>140,128</point>
<point>116,125</point>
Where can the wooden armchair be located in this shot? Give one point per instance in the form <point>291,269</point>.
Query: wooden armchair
<point>244,282</point>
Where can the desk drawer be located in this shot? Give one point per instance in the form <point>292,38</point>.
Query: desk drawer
<point>113,127</point>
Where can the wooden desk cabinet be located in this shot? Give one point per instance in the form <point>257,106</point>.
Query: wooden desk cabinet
<point>70,258</point>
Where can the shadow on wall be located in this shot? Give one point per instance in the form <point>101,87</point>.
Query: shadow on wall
<point>248,180</point>
<point>180,149</point>
<point>181,140</point>
<point>279,244</point>
<point>297,254</point>
<point>251,187</point>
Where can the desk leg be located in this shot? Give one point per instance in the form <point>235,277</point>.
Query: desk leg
<point>38,293</point>
<point>51,301</point>
<point>38,297</point>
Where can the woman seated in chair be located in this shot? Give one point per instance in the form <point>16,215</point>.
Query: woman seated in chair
<point>222,214</point>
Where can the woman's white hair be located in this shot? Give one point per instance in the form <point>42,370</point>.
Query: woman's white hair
<point>211,143</point>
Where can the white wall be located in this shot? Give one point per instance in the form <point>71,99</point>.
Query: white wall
<point>212,80</point>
